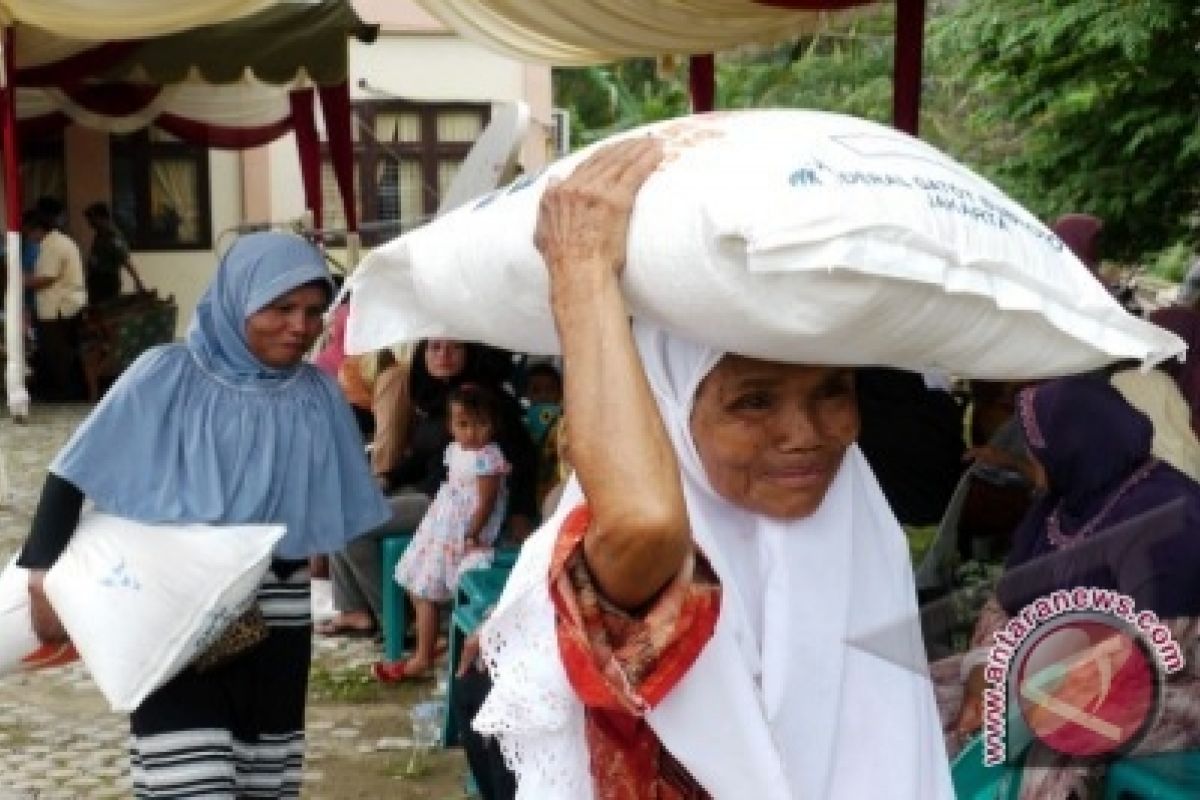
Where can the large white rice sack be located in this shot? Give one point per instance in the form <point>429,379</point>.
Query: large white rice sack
<point>788,235</point>
<point>140,602</point>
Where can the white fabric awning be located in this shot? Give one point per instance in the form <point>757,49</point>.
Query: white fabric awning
<point>118,20</point>
<point>580,32</point>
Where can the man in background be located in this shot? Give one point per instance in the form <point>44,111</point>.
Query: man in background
<point>108,255</point>
<point>59,297</point>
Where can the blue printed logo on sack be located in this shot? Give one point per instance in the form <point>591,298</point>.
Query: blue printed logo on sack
<point>119,577</point>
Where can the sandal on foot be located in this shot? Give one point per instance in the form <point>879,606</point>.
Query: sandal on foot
<point>397,671</point>
<point>333,627</point>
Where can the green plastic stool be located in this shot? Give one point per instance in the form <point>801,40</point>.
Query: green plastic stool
<point>394,623</point>
<point>506,556</point>
<point>478,590</point>
<point>973,780</point>
<point>1163,776</point>
<point>464,620</point>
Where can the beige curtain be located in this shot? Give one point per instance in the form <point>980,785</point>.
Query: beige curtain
<point>577,32</point>
<point>102,20</point>
<point>174,194</point>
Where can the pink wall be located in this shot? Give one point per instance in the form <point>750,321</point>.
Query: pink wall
<point>540,96</point>
<point>256,184</point>
<point>398,15</point>
<point>88,176</point>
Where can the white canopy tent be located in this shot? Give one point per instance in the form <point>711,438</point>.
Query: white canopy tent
<point>58,53</point>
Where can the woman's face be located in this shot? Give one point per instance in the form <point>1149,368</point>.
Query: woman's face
<point>445,358</point>
<point>281,332</point>
<point>771,436</point>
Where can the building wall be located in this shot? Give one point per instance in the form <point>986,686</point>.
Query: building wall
<point>186,274</point>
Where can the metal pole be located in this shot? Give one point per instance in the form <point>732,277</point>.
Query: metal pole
<point>14,317</point>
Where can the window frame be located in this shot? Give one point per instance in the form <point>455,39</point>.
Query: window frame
<point>428,152</point>
<point>142,151</point>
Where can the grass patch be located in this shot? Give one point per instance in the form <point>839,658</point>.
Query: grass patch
<point>12,736</point>
<point>347,685</point>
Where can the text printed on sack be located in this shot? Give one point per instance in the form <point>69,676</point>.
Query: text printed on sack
<point>940,195</point>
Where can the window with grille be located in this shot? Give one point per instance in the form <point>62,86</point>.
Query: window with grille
<point>406,155</point>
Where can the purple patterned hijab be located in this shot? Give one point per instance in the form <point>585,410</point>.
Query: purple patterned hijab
<point>1095,449</point>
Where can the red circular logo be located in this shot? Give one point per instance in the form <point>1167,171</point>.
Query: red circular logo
<point>1087,686</point>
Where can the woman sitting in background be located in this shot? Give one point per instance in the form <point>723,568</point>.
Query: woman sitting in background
<point>438,366</point>
<point>1092,451</point>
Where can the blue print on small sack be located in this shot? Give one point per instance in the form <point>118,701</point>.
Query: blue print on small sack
<point>120,578</point>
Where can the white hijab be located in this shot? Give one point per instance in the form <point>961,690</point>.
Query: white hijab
<point>783,702</point>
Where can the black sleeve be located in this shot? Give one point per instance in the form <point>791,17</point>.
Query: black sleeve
<point>53,523</point>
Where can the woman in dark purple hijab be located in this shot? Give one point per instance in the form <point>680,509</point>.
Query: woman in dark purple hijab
<point>1093,526</point>
<point>1110,516</point>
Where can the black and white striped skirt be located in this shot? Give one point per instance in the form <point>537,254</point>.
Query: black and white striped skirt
<point>237,730</point>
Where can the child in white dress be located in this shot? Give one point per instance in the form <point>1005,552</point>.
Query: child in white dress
<point>460,526</point>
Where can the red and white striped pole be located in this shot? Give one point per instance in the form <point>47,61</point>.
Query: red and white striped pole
<point>14,317</point>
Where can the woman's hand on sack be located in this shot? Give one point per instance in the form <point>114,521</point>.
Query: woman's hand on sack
<point>583,221</point>
<point>45,621</point>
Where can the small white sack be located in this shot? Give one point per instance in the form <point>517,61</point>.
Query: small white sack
<point>17,639</point>
<point>788,235</point>
<point>140,602</point>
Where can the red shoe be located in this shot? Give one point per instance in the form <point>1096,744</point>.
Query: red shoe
<point>388,671</point>
<point>396,671</point>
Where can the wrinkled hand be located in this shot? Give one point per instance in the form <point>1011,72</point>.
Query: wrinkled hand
<point>470,654</point>
<point>45,621</point>
<point>584,220</point>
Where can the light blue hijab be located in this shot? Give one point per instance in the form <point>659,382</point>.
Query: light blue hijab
<point>205,432</point>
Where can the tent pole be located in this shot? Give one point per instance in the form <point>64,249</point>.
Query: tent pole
<point>702,82</point>
<point>906,75</point>
<point>14,316</point>
<point>308,148</point>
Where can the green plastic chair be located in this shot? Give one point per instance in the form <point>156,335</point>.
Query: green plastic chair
<point>1163,776</point>
<point>478,590</point>
<point>394,606</point>
<point>973,780</point>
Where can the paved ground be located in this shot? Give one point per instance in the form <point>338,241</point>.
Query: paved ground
<point>58,739</point>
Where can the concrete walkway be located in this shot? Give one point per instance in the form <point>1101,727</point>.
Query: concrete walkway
<point>59,740</point>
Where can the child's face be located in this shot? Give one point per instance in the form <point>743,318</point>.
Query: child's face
<point>543,389</point>
<point>471,431</point>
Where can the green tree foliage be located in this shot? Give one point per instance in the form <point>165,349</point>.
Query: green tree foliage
<point>1088,105</point>
<point>1069,105</point>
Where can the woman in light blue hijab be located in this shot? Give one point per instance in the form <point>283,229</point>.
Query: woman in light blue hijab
<point>230,426</point>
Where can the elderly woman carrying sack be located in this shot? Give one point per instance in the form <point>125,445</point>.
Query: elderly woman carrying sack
<point>723,606</point>
<point>228,427</point>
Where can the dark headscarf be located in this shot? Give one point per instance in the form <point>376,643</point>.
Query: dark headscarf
<point>1184,323</point>
<point>1095,449</point>
<point>1080,232</point>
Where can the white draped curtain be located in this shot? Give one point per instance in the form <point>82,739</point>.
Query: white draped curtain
<point>580,32</point>
<point>118,20</point>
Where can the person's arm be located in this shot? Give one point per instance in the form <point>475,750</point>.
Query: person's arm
<point>489,493</point>
<point>133,273</point>
<point>54,522</point>
<point>393,418</point>
<point>639,537</point>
